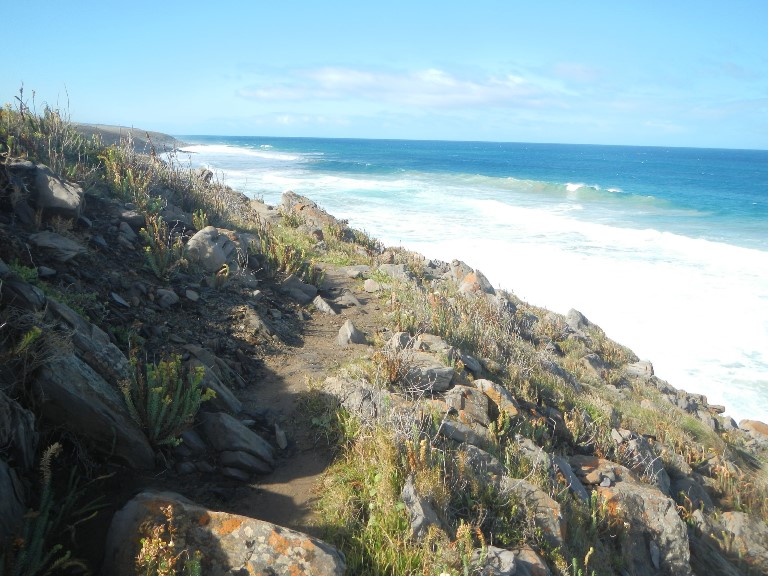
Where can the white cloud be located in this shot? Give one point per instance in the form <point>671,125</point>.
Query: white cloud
<point>430,87</point>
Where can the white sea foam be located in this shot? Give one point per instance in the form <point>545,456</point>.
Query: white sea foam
<point>697,309</point>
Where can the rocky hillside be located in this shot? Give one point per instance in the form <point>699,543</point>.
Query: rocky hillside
<point>194,382</point>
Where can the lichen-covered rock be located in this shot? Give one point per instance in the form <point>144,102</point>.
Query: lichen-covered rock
<point>470,403</point>
<point>308,211</point>
<point>228,543</point>
<point>500,396</point>
<point>656,538</point>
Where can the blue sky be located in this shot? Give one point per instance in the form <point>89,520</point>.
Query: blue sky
<point>679,73</point>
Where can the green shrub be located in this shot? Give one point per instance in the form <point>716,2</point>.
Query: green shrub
<point>164,398</point>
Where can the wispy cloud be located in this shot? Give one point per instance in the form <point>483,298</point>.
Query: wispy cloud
<point>431,87</point>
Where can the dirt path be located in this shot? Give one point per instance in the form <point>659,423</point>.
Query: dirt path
<point>287,495</point>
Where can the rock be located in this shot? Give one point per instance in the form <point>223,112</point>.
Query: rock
<point>244,461</point>
<point>470,362</point>
<point>367,402</point>
<point>649,516</point>
<point>133,218</point>
<point>127,233</point>
<point>211,248</point>
<point>193,442</point>
<point>477,436</point>
<point>59,247</point>
<point>547,514</point>
<point>748,539</point>
<point>348,299</point>
<point>576,321</point>
<point>426,373</point>
<point>225,433</point>
<point>399,341</point>
<point>574,484</point>
<point>642,370</point>
<point>19,294</point>
<point>758,430</point>
<point>119,299</point>
<point>475,282</point>
<point>500,396</point>
<point>308,211</point>
<point>191,295</point>
<point>280,437</point>
<point>421,515</point>
<point>93,345</point>
<point>370,285</point>
<point>484,464</point>
<point>229,544</point>
<point>45,272</point>
<point>12,506</point>
<point>55,196</point>
<point>471,404</point>
<point>256,323</point>
<point>18,437</point>
<point>530,563</point>
<point>349,334</point>
<point>356,271</point>
<point>642,459</point>
<point>78,399</point>
<point>166,297</point>
<point>432,343</point>
<point>323,306</point>
<point>300,291</point>
<point>396,271</point>
<point>493,561</point>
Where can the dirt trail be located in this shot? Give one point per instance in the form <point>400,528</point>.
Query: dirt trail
<point>286,496</point>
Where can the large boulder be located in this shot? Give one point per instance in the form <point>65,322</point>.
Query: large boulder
<point>211,248</point>
<point>308,211</point>
<point>55,196</point>
<point>228,543</point>
<point>426,373</point>
<point>74,396</point>
<point>656,538</point>
<point>748,538</point>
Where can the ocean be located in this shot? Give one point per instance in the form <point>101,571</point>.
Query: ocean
<point>665,248</point>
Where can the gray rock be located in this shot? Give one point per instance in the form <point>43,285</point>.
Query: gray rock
<point>12,502</point>
<point>78,399</point>
<point>127,233</point>
<point>59,247</point>
<point>475,282</point>
<point>228,543</point>
<point>166,297</point>
<point>397,271</point>
<point>432,343</point>
<point>132,217</point>
<point>642,370</point>
<point>20,294</point>
<point>426,373</point>
<point>56,196</point>
<point>482,463</point>
<point>18,437</point>
<point>470,403</point>
<point>300,291</point>
<point>349,334</point>
<point>399,341</point>
<point>211,248</point>
<point>547,514</point>
<point>191,295</point>
<point>225,399</point>
<point>356,271</point>
<point>244,461</point>
<point>421,515</point>
<point>574,484</point>
<point>463,433</point>
<point>119,299</point>
<point>323,306</point>
<point>493,561</point>
<point>225,433</point>
<point>367,402</point>
<point>576,321</point>
<point>193,442</point>
<point>500,396</point>
<point>348,299</point>
<point>257,324</point>
<point>749,538</point>
<point>371,286</point>
<point>93,345</point>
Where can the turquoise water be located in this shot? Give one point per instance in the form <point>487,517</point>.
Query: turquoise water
<point>665,248</point>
